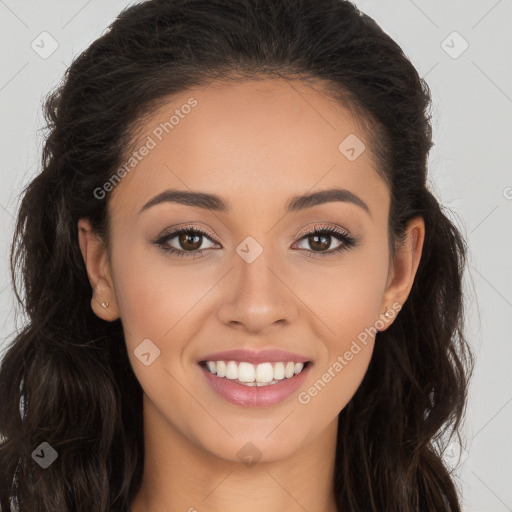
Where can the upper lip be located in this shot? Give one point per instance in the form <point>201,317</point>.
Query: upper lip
<point>256,357</point>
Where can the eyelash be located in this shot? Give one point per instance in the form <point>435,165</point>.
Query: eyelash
<point>347,240</point>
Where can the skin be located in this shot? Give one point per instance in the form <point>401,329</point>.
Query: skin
<point>255,145</point>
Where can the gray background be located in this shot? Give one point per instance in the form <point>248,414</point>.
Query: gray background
<point>469,172</point>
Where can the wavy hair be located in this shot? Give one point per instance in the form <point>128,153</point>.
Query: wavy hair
<point>66,379</point>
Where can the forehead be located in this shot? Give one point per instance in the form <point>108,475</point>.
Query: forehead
<point>254,141</point>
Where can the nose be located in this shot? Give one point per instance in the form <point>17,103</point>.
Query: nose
<point>258,299</point>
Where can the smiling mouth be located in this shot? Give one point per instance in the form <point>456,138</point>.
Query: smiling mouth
<point>248,374</point>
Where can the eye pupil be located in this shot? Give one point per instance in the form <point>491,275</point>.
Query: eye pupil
<point>184,240</point>
<point>316,245</point>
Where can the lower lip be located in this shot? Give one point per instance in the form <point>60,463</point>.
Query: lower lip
<point>255,396</point>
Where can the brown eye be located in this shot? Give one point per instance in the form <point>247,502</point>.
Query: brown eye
<point>186,242</point>
<point>189,242</point>
<point>320,240</point>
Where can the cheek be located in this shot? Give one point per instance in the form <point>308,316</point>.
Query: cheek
<point>334,384</point>
<point>347,295</point>
<point>347,298</point>
<point>153,294</point>
<point>159,300</point>
<point>156,301</point>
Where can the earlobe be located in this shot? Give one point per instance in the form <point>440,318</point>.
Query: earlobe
<point>94,253</point>
<point>104,309</point>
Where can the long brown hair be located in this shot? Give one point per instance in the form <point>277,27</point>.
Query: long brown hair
<point>66,378</point>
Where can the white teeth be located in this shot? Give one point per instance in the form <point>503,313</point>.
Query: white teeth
<point>221,369</point>
<point>249,374</point>
<point>289,371</point>
<point>231,370</point>
<point>279,371</point>
<point>264,372</point>
<point>246,372</point>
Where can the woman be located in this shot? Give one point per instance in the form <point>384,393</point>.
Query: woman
<point>241,293</point>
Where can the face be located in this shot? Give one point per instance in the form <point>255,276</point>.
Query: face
<point>252,275</point>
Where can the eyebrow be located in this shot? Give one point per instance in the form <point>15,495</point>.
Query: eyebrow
<point>214,202</point>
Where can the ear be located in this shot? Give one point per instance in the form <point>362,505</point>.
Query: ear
<point>97,263</point>
<point>403,270</point>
